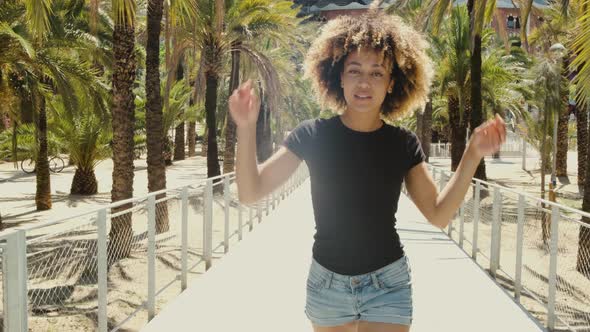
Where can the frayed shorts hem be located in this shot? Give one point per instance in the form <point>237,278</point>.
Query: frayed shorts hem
<point>331,322</point>
<point>391,319</point>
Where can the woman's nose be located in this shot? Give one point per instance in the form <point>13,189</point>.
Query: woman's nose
<point>363,83</point>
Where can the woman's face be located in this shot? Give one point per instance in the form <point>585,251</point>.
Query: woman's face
<point>366,79</point>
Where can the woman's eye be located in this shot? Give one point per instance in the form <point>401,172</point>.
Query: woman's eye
<point>353,71</point>
<point>377,74</point>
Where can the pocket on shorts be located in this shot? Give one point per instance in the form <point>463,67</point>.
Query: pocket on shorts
<point>398,276</point>
<point>315,282</point>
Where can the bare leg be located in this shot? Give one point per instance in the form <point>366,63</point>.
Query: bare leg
<point>365,326</point>
<point>349,327</point>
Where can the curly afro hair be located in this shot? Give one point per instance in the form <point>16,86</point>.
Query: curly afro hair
<point>387,34</point>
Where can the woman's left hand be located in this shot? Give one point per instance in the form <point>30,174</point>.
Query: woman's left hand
<point>487,138</point>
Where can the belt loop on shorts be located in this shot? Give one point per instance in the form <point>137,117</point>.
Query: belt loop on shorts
<point>376,282</point>
<point>329,279</point>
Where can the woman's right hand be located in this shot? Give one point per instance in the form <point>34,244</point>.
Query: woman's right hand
<point>244,105</point>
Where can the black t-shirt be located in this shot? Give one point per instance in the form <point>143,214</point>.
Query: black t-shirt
<point>356,181</point>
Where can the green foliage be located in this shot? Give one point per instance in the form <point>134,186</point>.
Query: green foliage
<point>83,134</point>
<point>27,143</point>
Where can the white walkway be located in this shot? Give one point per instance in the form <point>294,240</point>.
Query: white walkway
<point>260,284</point>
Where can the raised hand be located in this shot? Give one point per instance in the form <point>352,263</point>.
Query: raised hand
<point>488,137</point>
<point>244,105</point>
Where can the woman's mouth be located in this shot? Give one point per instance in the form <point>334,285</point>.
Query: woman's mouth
<point>362,97</point>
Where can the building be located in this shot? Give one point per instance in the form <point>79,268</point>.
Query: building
<point>506,20</point>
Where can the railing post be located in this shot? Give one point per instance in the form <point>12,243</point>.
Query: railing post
<point>102,266</point>
<point>184,239</point>
<point>519,243</point>
<point>273,199</point>
<point>259,211</point>
<point>461,224</point>
<point>474,248</point>
<point>523,154</point>
<point>240,221</point>
<point>151,257</point>
<point>226,212</point>
<point>267,204</point>
<point>496,233</point>
<point>553,268</point>
<point>441,182</point>
<point>208,224</point>
<point>250,220</point>
<point>14,269</point>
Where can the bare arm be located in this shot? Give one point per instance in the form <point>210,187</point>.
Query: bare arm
<point>254,181</point>
<point>439,208</point>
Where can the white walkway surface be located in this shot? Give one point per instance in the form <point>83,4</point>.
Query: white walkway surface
<point>260,284</point>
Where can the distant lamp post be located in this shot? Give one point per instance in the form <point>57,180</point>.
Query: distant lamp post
<point>557,51</point>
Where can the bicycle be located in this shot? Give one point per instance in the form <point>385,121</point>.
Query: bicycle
<point>56,165</point>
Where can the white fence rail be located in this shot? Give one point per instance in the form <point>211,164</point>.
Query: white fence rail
<point>114,268</point>
<point>538,251</point>
<point>510,148</point>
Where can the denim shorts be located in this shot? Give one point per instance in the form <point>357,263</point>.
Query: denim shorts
<point>384,295</point>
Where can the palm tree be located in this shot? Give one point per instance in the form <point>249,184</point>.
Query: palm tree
<point>476,14</point>
<point>84,136</point>
<point>562,137</point>
<point>580,46</point>
<point>179,141</point>
<point>453,77</point>
<point>253,20</point>
<point>418,14</point>
<point>480,12</point>
<point>582,141</point>
<point>213,46</point>
<point>557,28</point>
<point>155,159</point>
<point>178,14</point>
<point>39,72</point>
<point>123,119</point>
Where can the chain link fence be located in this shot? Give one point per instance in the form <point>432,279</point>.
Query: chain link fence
<point>116,268</point>
<point>537,250</point>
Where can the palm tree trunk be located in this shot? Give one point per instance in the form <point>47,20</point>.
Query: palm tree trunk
<point>426,137</point>
<point>212,81</point>
<point>263,135</point>
<point>179,130</point>
<point>123,121</point>
<point>582,128</point>
<point>458,127</point>
<point>192,141</point>
<point>230,126</point>
<point>155,132</point>
<point>84,182</point>
<point>562,142</point>
<point>583,261</point>
<point>179,153</point>
<point>419,124</point>
<point>544,164</point>
<point>543,152</point>
<point>205,141</point>
<point>167,41</point>
<point>476,102</point>
<point>43,194</point>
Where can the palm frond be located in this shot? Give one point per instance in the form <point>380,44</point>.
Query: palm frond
<point>124,11</point>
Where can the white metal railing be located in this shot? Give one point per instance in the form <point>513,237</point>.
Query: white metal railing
<point>510,148</point>
<point>532,247</point>
<point>113,268</point>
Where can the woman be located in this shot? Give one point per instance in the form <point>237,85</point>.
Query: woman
<point>367,69</point>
